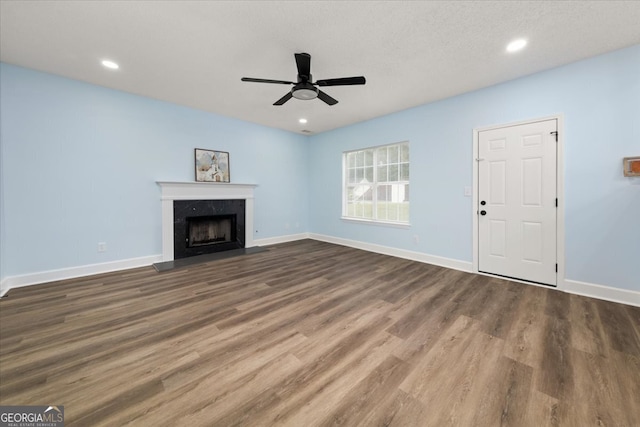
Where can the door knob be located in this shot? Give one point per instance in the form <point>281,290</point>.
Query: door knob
<point>483,213</point>
<point>483,203</point>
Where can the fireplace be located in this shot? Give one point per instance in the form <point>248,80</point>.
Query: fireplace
<point>207,226</point>
<point>172,192</point>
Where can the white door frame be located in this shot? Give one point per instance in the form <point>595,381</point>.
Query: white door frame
<point>560,192</point>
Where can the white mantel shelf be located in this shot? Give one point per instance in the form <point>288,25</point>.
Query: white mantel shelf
<point>173,190</point>
<point>202,191</point>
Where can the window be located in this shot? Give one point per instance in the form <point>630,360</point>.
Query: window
<point>376,184</point>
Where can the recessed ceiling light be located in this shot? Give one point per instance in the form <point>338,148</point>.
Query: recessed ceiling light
<point>110,64</point>
<point>516,45</point>
<point>303,121</point>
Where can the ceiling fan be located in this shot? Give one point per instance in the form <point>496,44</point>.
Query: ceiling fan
<point>305,88</point>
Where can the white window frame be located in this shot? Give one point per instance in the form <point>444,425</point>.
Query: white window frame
<point>374,184</point>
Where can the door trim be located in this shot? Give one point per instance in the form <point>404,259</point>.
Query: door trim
<point>560,243</point>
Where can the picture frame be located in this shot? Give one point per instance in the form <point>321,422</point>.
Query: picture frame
<point>212,165</point>
<point>631,166</point>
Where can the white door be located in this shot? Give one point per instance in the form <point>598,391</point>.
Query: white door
<point>517,201</point>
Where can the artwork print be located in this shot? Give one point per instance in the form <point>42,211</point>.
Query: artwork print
<point>631,166</point>
<point>212,166</point>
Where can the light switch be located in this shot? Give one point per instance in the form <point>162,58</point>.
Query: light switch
<point>467,191</point>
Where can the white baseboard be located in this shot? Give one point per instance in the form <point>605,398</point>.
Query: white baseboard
<point>399,253</point>
<point>607,293</point>
<point>88,270</point>
<point>73,272</point>
<point>4,287</point>
<point>280,239</point>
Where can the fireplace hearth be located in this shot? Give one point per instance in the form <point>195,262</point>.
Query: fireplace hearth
<point>207,226</point>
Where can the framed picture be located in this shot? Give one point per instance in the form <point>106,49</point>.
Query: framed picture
<point>631,166</point>
<point>212,166</point>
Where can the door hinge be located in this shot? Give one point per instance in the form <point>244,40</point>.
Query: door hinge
<point>556,202</point>
<point>556,268</point>
<point>556,134</point>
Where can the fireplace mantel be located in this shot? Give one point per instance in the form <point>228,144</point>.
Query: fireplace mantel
<point>201,191</point>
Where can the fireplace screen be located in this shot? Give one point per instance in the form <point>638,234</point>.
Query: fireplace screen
<point>210,230</point>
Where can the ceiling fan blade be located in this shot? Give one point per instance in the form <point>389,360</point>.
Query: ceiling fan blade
<point>250,79</point>
<point>344,81</point>
<point>326,98</point>
<point>303,61</point>
<point>284,99</point>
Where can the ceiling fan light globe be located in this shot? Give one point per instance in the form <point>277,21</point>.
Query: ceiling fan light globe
<point>305,94</point>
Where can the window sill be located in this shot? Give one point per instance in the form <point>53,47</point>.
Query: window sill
<point>378,223</point>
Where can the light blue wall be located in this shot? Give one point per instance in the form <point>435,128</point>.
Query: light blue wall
<point>600,101</point>
<point>80,165</point>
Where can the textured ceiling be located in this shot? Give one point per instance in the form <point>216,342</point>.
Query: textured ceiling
<point>194,53</point>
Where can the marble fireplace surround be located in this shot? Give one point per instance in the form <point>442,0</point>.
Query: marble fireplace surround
<point>202,191</point>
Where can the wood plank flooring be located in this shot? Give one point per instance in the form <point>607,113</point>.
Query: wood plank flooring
<point>314,334</point>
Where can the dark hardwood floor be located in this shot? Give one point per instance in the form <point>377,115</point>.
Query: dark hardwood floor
<point>314,334</point>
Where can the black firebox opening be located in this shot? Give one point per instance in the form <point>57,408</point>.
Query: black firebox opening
<point>211,230</point>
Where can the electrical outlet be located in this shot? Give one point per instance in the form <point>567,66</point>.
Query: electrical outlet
<point>416,239</point>
<point>286,226</point>
<point>102,247</point>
